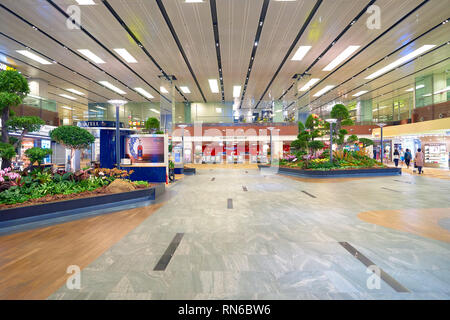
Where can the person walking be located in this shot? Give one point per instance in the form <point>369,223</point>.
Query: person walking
<point>408,157</point>
<point>402,156</point>
<point>396,157</point>
<point>419,160</point>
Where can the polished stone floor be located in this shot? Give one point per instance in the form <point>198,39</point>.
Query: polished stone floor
<point>275,242</point>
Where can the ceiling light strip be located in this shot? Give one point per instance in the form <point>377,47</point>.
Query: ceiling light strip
<point>262,17</point>
<point>180,47</point>
<point>59,9</point>
<point>291,48</point>
<point>140,45</point>
<point>370,43</point>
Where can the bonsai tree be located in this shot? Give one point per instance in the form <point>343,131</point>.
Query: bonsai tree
<point>74,138</point>
<point>366,142</point>
<point>341,114</point>
<point>37,155</point>
<point>352,139</point>
<point>315,145</point>
<point>13,89</point>
<point>152,125</point>
<point>23,125</point>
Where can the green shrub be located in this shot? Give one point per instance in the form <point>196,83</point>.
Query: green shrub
<point>37,154</point>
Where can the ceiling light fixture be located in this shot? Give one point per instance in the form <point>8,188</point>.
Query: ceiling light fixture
<point>309,84</point>
<point>360,93</point>
<point>213,85</point>
<point>85,2</point>
<point>340,58</point>
<point>400,61</point>
<point>33,56</point>
<point>163,90</point>
<point>193,1</point>
<point>144,93</point>
<point>76,92</point>
<point>420,86</point>
<point>236,91</point>
<point>325,89</point>
<point>67,108</point>
<point>126,55</point>
<point>90,55</point>
<point>185,89</point>
<point>112,87</point>
<point>67,97</point>
<point>154,110</point>
<point>300,53</point>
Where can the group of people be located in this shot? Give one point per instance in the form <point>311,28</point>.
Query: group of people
<point>419,159</point>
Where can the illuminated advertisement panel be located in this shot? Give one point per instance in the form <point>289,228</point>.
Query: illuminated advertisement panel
<point>145,149</point>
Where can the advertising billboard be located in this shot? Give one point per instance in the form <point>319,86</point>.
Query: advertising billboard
<point>145,149</point>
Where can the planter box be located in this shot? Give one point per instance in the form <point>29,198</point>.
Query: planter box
<point>90,203</point>
<point>339,173</point>
<point>187,170</point>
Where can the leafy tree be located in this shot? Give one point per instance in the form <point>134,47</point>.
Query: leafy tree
<point>37,154</point>
<point>352,139</point>
<point>366,142</point>
<point>7,151</point>
<point>74,138</point>
<point>13,89</point>
<point>24,125</point>
<point>315,145</point>
<point>152,124</point>
<point>341,114</point>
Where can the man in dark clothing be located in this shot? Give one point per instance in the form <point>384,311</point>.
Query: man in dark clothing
<point>408,157</point>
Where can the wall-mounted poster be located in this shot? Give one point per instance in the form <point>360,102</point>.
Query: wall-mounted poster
<point>145,149</point>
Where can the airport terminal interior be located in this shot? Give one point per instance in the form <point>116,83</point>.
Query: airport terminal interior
<point>225,149</point>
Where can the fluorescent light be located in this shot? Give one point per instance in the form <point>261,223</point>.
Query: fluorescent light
<point>85,2</point>
<point>185,89</point>
<point>420,86</point>
<point>213,85</point>
<point>154,110</point>
<point>33,56</point>
<point>193,1</point>
<point>443,90</point>
<point>126,55</point>
<point>76,92</point>
<point>321,92</point>
<point>68,108</point>
<point>101,108</point>
<point>409,90</point>
<point>400,61</point>
<point>340,58</point>
<point>144,93</point>
<point>309,84</point>
<point>90,55</point>
<point>301,52</point>
<point>219,110</point>
<point>360,93</point>
<point>236,91</point>
<point>67,97</point>
<point>426,95</point>
<point>112,87</point>
<point>163,90</point>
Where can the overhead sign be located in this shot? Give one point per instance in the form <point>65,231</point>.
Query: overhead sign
<point>98,124</point>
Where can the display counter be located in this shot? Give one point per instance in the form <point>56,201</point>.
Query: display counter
<point>151,172</point>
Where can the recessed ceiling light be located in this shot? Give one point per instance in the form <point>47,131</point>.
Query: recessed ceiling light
<point>185,89</point>
<point>85,2</point>
<point>301,52</point>
<point>219,110</point>
<point>309,84</point>
<point>90,55</point>
<point>126,55</point>
<point>325,89</point>
<point>400,61</point>
<point>163,90</point>
<point>340,58</point>
<point>154,110</point>
<point>213,85</point>
<point>33,56</point>
<point>112,87</point>
<point>144,93</point>
<point>67,108</point>
<point>236,91</point>
<point>67,97</point>
<point>76,92</point>
<point>360,93</point>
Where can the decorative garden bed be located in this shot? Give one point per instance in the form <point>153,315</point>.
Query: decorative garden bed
<point>337,173</point>
<point>58,203</point>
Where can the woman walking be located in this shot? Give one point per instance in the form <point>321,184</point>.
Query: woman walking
<point>408,157</point>
<point>419,159</point>
<point>396,157</point>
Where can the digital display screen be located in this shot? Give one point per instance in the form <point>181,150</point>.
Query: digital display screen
<point>145,149</point>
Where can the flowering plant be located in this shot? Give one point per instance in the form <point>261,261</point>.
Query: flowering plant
<point>8,175</point>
